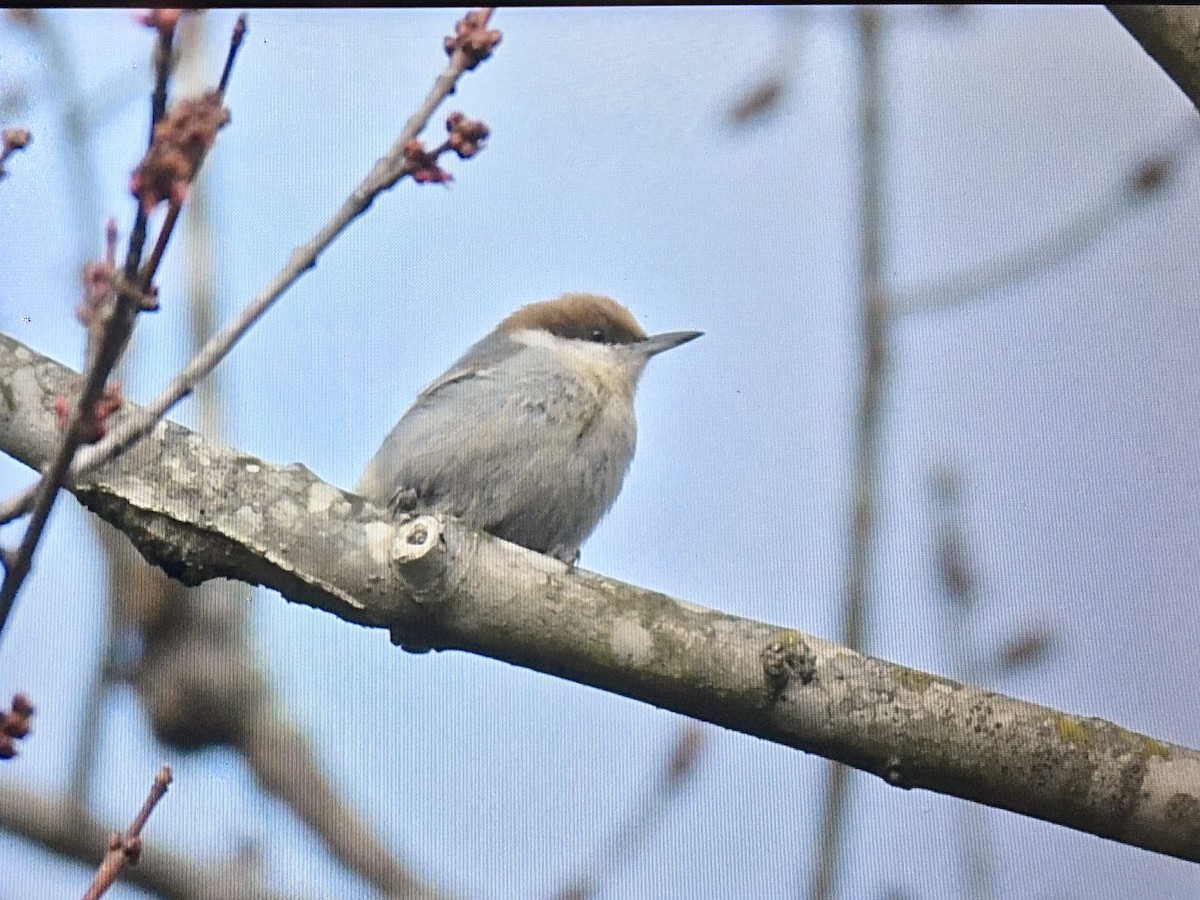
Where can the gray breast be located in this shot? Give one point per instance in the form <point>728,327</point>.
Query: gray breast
<point>536,458</point>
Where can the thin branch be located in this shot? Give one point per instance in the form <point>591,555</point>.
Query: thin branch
<point>158,106</point>
<point>146,275</point>
<point>80,425</point>
<point>1146,181</point>
<point>70,833</point>
<point>78,118</point>
<point>235,43</point>
<point>163,50</point>
<point>387,172</point>
<point>639,825</point>
<point>113,336</point>
<point>869,418</point>
<point>957,577</point>
<point>124,568</point>
<point>285,765</point>
<point>124,849</point>
<point>873,335</point>
<point>182,139</point>
<point>91,718</point>
<point>189,118</point>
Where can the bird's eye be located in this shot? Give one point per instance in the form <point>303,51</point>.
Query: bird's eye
<point>597,335</point>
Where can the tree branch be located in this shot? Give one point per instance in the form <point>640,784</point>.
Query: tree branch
<point>1171,35</point>
<point>1076,234</point>
<point>202,511</point>
<point>595,877</point>
<point>125,848</point>
<point>65,829</point>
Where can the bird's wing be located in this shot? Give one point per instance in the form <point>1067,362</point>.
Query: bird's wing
<point>472,427</point>
<point>476,362</point>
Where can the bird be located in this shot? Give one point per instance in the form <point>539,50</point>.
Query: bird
<point>529,435</point>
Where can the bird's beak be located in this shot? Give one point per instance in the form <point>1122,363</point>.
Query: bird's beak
<point>657,343</point>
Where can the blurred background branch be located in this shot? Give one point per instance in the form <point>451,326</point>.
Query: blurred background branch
<point>871,33</point>
<point>597,875</point>
<point>1150,179</point>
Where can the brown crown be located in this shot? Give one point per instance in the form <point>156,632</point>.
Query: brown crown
<point>587,317</point>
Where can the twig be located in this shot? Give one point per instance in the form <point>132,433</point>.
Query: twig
<point>161,178</point>
<point>78,428</point>
<point>78,118</point>
<point>636,829</point>
<point>113,336</point>
<point>235,44</point>
<point>91,719</point>
<point>869,421</point>
<point>124,849</point>
<point>42,819</point>
<point>158,105</point>
<point>387,172</point>
<point>286,766</point>
<point>165,23</point>
<point>133,292</point>
<point>1066,241</point>
<point>146,275</point>
<point>957,577</point>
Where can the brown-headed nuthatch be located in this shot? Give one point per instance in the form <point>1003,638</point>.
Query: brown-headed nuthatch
<point>529,435</point>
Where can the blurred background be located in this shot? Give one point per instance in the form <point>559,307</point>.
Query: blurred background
<point>1037,477</point>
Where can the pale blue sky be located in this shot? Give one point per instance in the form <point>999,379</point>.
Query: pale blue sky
<point>1070,403</point>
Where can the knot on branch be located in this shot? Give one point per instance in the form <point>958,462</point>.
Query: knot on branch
<point>786,658</point>
<point>422,573</point>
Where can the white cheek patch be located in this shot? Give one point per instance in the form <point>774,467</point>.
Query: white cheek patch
<point>612,371</point>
